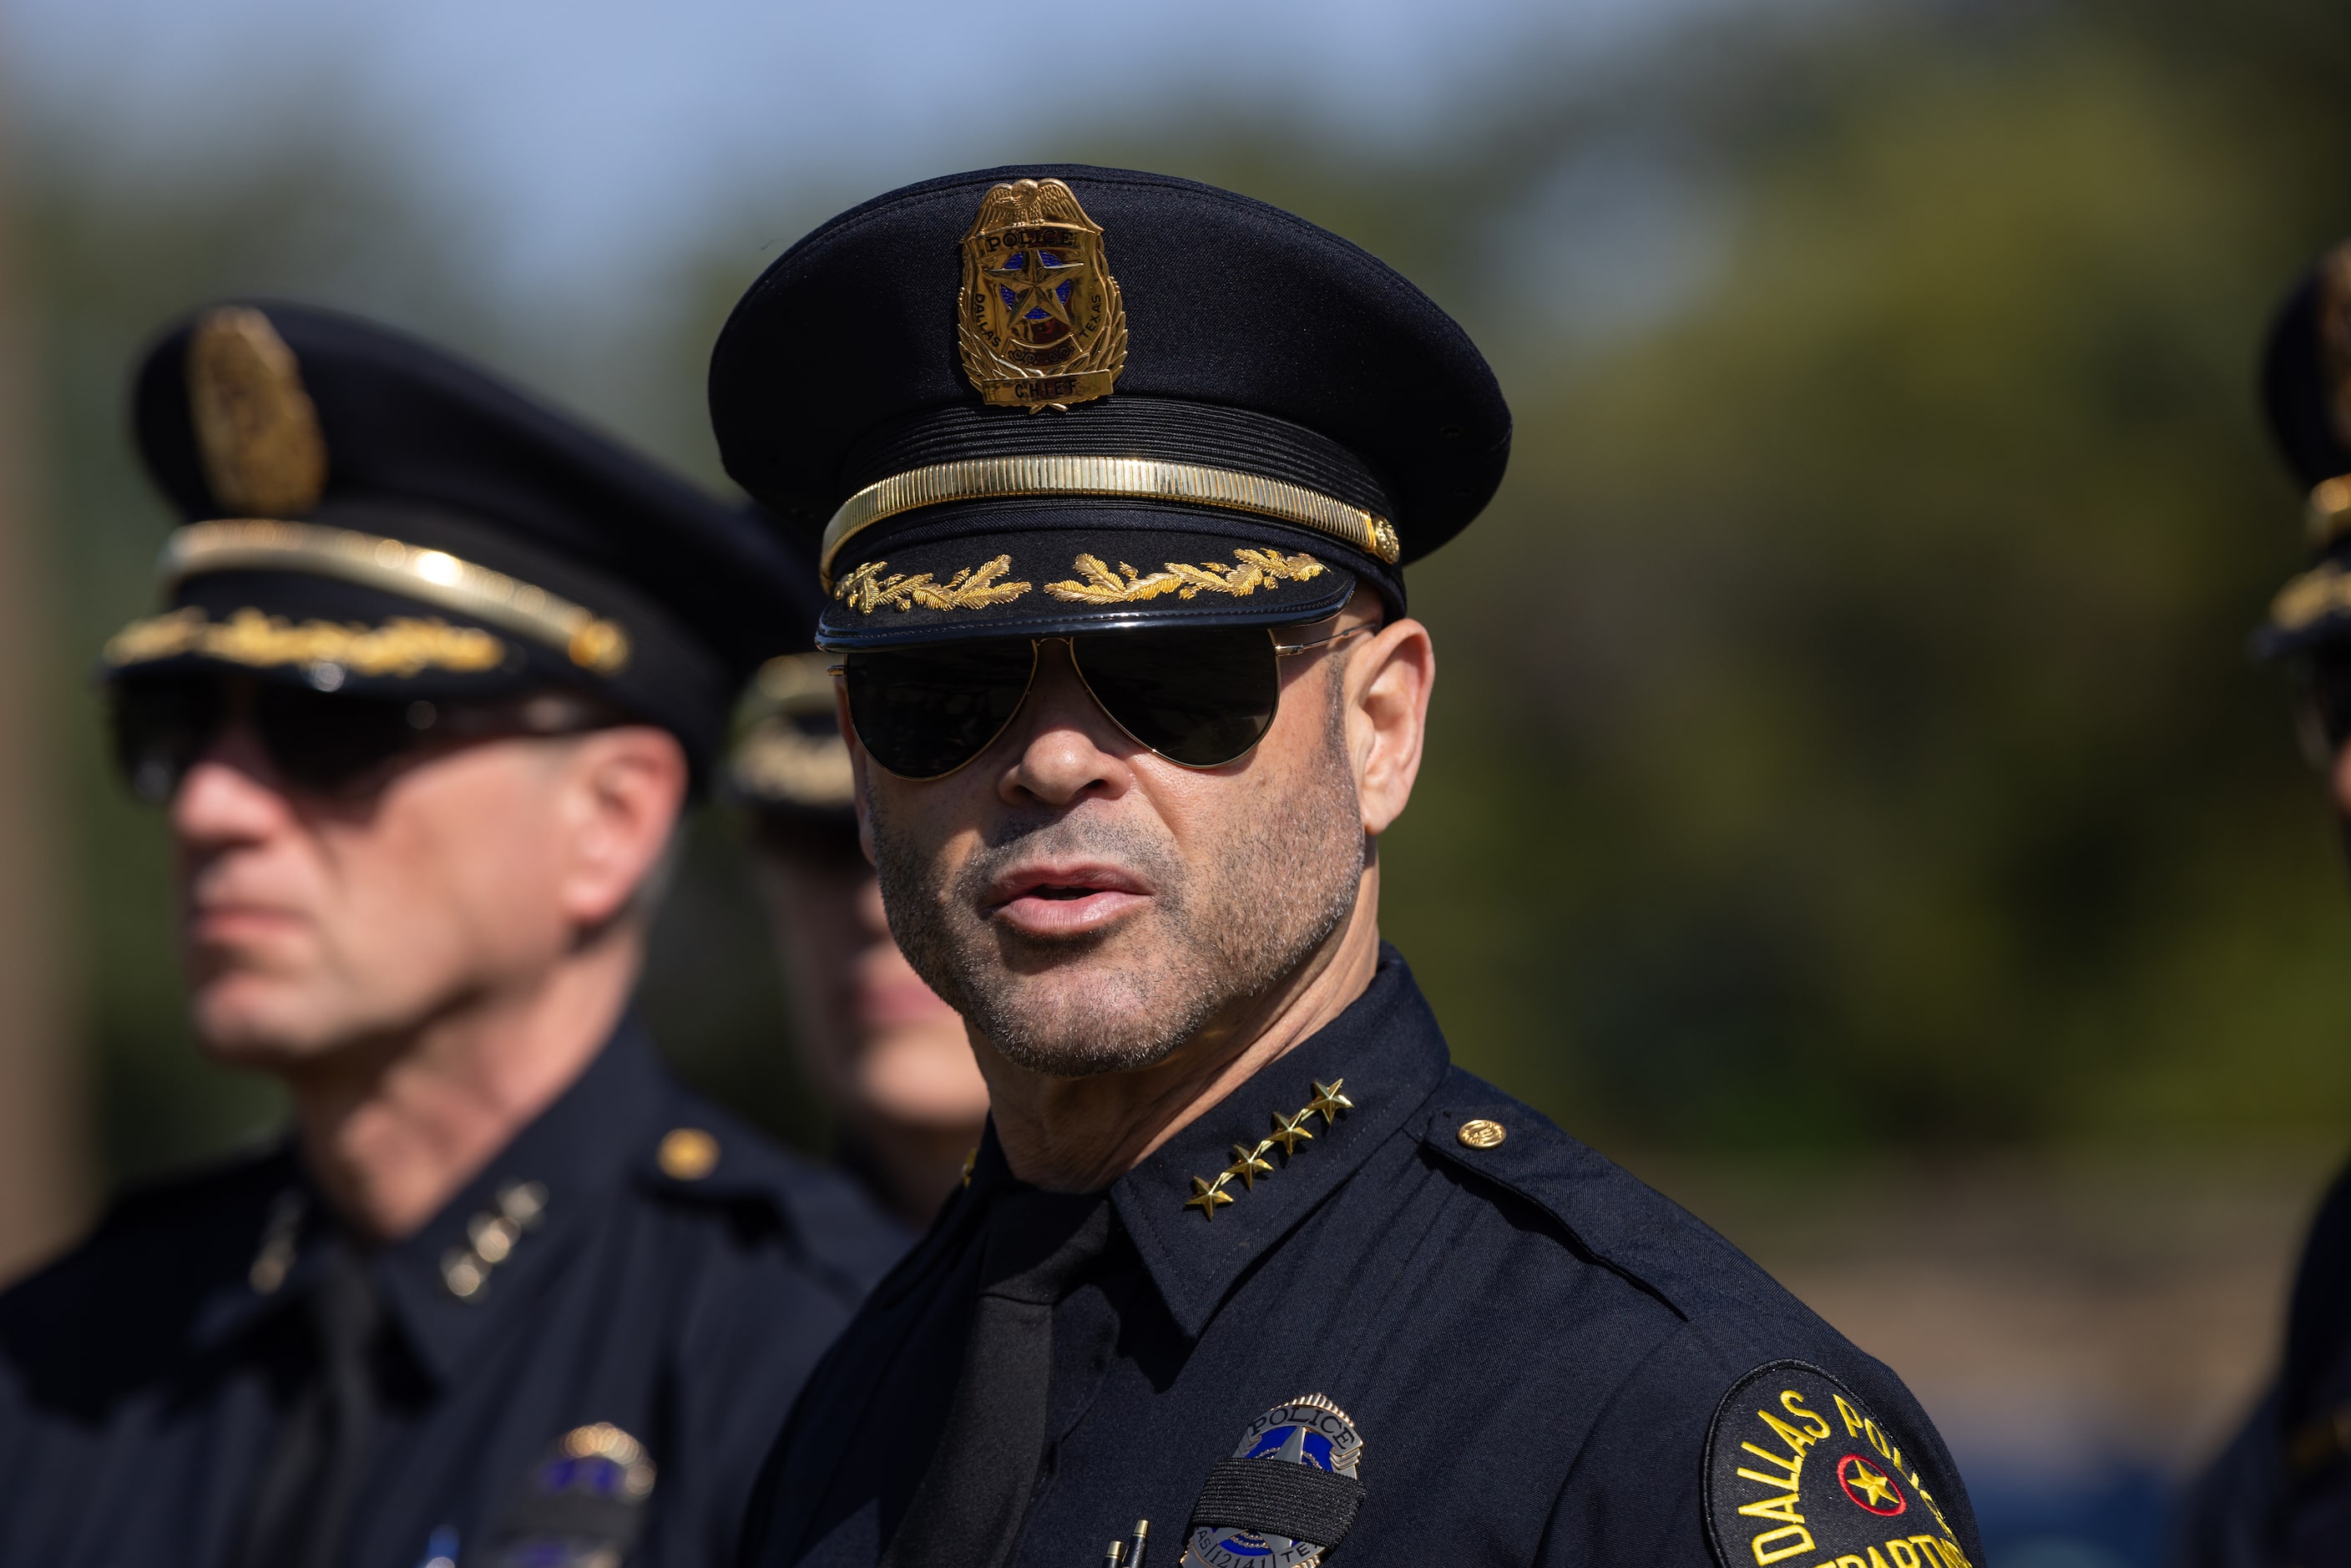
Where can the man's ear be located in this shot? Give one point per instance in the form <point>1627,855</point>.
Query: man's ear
<point>1389,678</point>
<point>861,794</point>
<point>623,791</point>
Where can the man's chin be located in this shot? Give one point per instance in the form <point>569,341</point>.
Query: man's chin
<point>242,1022</point>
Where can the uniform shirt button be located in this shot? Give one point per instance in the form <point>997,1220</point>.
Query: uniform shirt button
<point>687,1153</point>
<point>1480,1134</point>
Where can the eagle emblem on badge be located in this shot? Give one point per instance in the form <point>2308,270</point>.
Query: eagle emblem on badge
<point>1288,1495</point>
<point>1039,320</point>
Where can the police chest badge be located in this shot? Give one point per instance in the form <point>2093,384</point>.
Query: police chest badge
<point>582,1506</point>
<point>1039,320</point>
<point>1288,1495</point>
<point>1799,1472</point>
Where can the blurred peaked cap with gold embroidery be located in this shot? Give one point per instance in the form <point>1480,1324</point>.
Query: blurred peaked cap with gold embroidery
<point>2305,382</point>
<point>2307,398</point>
<point>366,513</point>
<point>1046,398</point>
<point>787,762</point>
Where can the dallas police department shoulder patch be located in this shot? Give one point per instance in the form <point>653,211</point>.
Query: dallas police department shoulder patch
<point>1798,1473</point>
<point>1288,1495</point>
<point>582,1506</point>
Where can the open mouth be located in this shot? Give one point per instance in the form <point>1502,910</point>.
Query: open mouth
<point>1066,900</point>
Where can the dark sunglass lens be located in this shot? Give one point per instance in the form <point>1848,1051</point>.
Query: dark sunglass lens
<point>161,725</point>
<point>1198,696</point>
<point>922,713</point>
<point>325,743</point>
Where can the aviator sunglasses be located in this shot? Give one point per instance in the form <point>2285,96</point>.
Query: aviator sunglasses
<point>1200,696</point>
<point>317,743</point>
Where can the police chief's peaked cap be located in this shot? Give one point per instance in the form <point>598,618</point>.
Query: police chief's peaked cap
<point>2307,392</point>
<point>367,514</point>
<point>1036,400</point>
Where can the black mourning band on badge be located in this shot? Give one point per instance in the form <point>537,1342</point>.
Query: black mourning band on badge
<point>1299,1502</point>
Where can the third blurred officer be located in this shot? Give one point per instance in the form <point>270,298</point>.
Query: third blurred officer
<point>437,672</point>
<point>2281,1494</point>
<point>887,1056</point>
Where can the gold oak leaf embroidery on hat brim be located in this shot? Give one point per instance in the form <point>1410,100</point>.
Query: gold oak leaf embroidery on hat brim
<point>1257,569</point>
<point>402,646</point>
<point>866,590</point>
<point>1209,1194</point>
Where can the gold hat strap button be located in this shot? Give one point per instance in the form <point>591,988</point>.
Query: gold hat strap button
<point>687,1153</point>
<point>1482,1134</point>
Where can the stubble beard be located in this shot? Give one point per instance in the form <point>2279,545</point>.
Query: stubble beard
<point>1220,932</point>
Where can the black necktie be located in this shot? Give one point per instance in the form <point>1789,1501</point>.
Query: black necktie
<point>303,1506</point>
<point>971,1500</point>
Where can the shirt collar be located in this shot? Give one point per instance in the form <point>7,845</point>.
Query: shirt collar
<point>494,1246</point>
<point>1229,1186</point>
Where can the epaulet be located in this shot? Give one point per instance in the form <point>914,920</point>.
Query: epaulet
<point>1815,1450</point>
<point>1607,1213</point>
<point>171,1204</point>
<point>706,1155</point>
<point>2316,1322</point>
<point>115,1310</point>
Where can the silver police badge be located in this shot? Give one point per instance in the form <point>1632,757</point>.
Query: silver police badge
<point>1310,1431</point>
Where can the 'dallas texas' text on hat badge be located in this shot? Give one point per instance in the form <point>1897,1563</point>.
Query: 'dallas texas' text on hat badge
<point>1040,322</point>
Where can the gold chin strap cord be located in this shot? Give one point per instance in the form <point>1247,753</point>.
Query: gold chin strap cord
<point>1141,478</point>
<point>434,577</point>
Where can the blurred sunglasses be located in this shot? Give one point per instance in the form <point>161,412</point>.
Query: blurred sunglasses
<point>317,743</point>
<point>1200,696</point>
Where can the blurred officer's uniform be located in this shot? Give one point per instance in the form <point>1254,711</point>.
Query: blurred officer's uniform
<point>1416,1320</point>
<point>2281,1492</point>
<point>580,1358</point>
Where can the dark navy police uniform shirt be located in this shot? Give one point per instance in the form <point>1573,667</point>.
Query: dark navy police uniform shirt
<point>1518,1353</point>
<point>2280,1495</point>
<point>625,1301</point>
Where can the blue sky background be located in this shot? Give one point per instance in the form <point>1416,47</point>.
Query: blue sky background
<point>573,137</point>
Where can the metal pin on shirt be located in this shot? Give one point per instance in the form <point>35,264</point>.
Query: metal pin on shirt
<point>1134,1544</point>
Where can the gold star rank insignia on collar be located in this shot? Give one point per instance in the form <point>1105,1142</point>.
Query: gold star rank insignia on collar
<point>1249,1162</point>
<point>1207,1197</point>
<point>1290,1132</point>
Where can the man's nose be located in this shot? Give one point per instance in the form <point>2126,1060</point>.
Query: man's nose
<point>230,795</point>
<point>1069,748</point>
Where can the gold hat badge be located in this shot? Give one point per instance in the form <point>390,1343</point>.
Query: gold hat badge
<point>1040,322</point>
<point>257,429</point>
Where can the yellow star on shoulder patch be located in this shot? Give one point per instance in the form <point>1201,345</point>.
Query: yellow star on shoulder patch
<point>1209,1196</point>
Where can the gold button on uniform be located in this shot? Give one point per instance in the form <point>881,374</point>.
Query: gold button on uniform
<point>688,1154</point>
<point>1482,1134</point>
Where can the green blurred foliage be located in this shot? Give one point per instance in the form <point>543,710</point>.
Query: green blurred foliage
<point>1845,737</point>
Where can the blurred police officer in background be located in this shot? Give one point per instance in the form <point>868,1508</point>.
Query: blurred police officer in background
<point>1114,475</point>
<point>2280,1493</point>
<point>437,672</point>
<point>888,1057</point>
